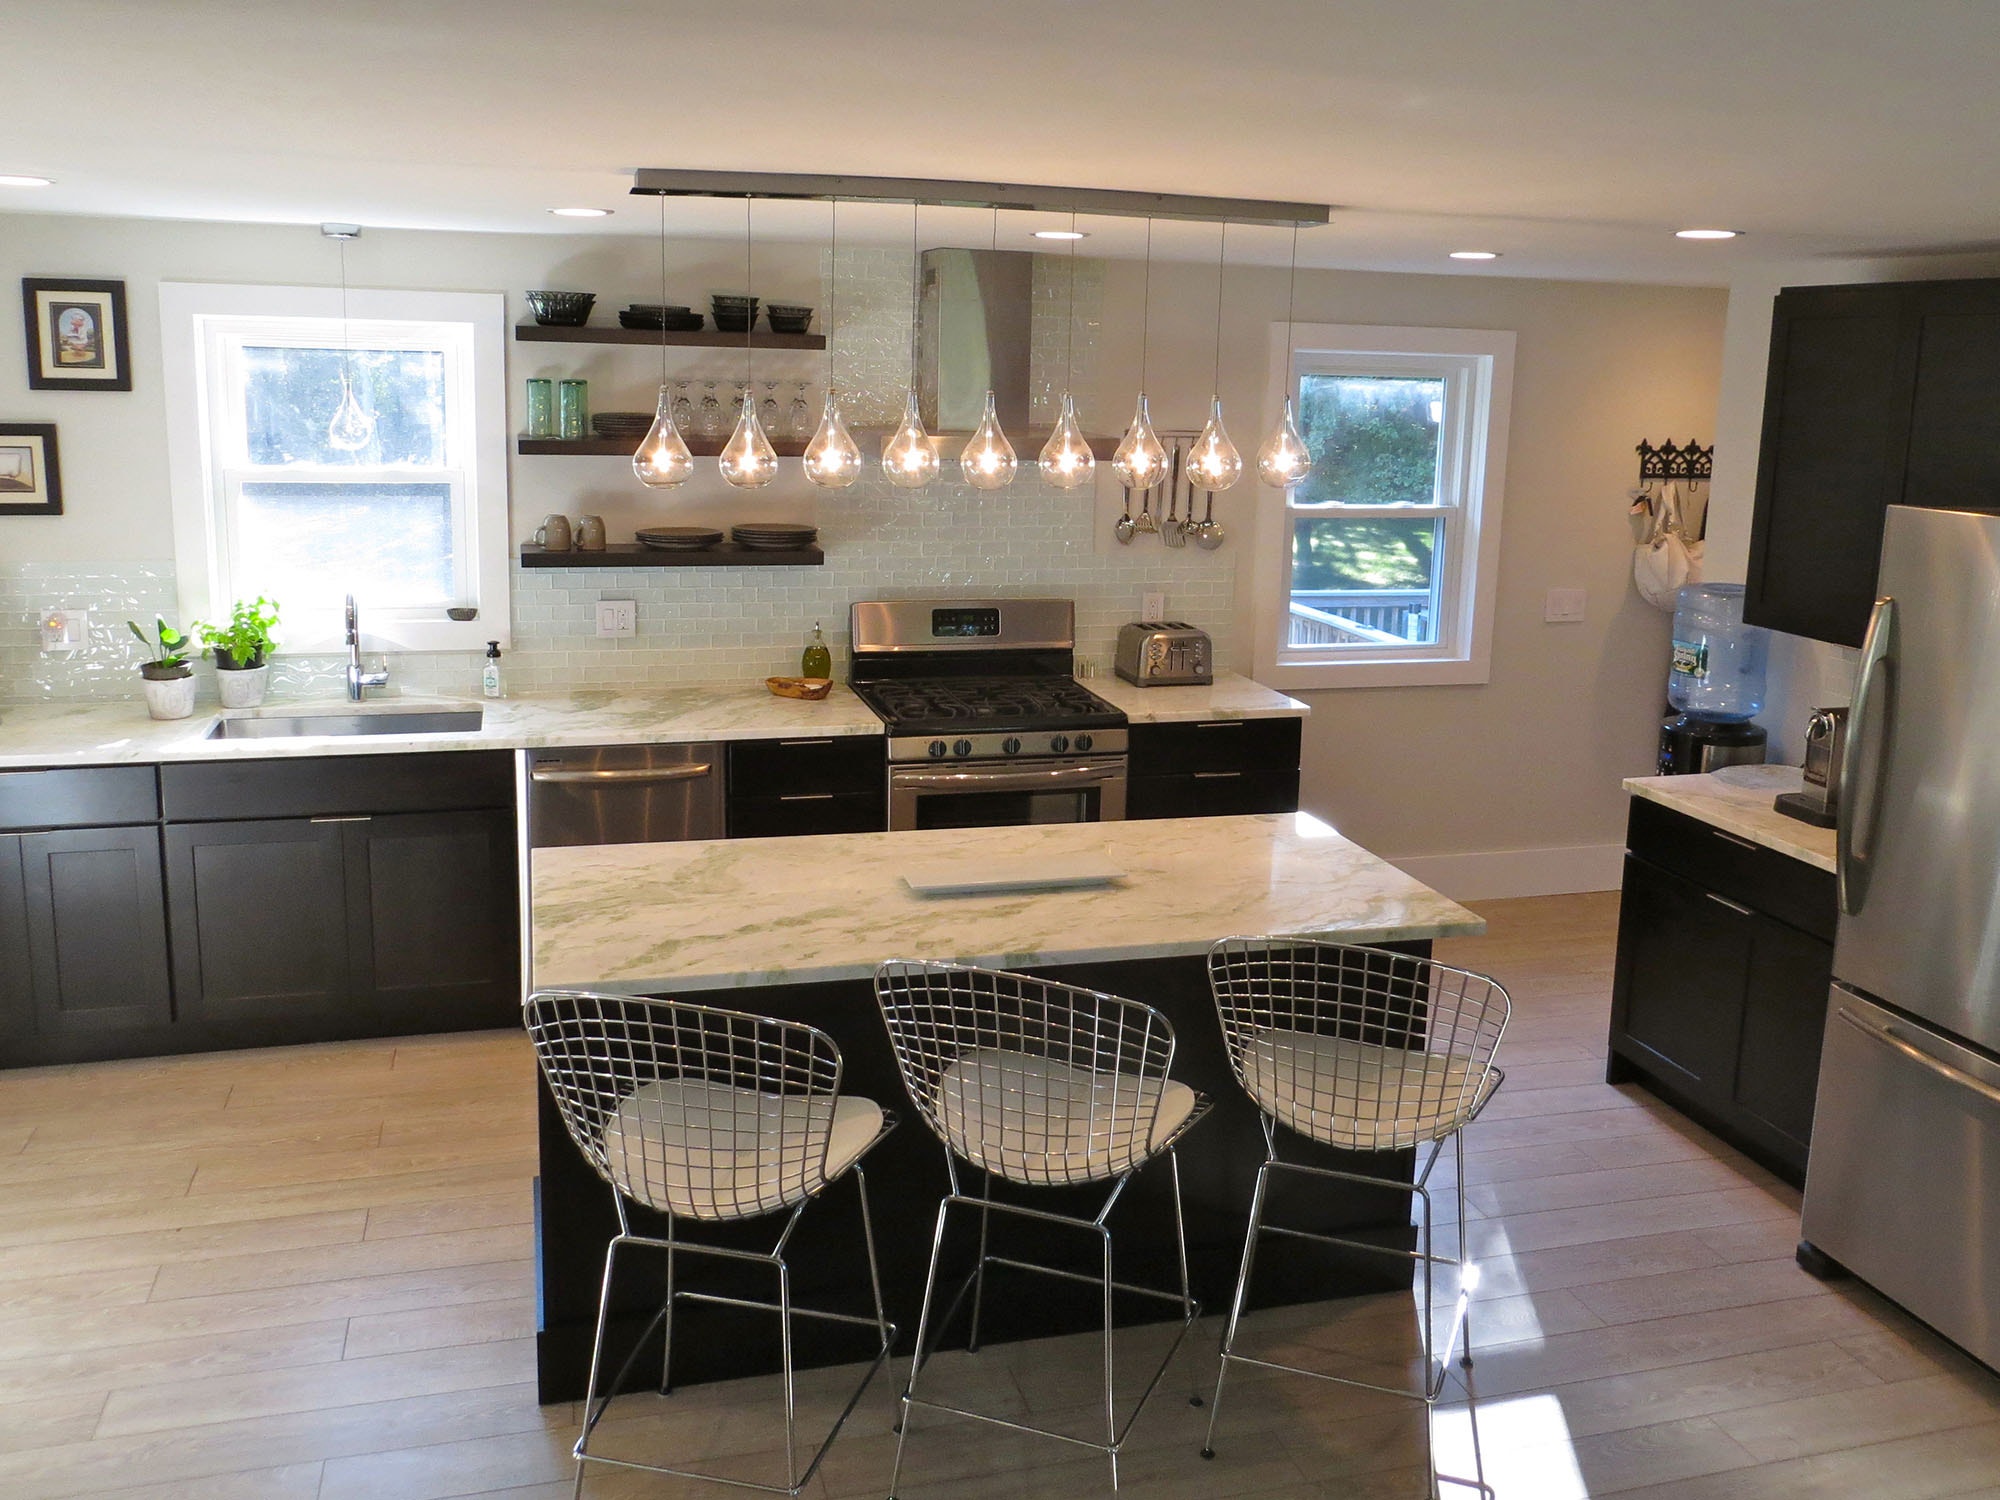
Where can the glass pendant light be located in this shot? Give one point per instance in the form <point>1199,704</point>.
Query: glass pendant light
<point>988,461</point>
<point>1141,459</point>
<point>908,460</point>
<point>1284,459</point>
<point>353,426</point>
<point>662,460</point>
<point>832,458</point>
<point>1067,462</point>
<point>748,460</point>
<point>1213,462</point>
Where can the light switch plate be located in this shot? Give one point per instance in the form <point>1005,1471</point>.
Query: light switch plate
<point>1153,606</point>
<point>1563,606</point>
<point>617,619</point>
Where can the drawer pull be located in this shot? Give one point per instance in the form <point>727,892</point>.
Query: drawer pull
<point>1217,775</point>
<point>794,744</point>
<point>806,797</point>
<point>356,818</point>
<point>1741,911</point>
<point>1222,723</point>
<point>1730,838</point>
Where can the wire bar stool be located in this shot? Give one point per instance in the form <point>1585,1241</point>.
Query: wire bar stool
<point>1361,1049</point>
<point>1036,1084</point>
<point>710,1116</point>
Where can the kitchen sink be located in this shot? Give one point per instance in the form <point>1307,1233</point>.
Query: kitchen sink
<point>374,721</point>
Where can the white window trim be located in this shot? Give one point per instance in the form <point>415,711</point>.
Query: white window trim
<point>1464,650</point>
<point>196,503</point>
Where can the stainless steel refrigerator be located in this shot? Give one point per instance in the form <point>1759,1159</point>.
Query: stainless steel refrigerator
<point>1903,1183</point>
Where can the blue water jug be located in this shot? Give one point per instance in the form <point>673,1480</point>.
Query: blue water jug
<point>1718,664</point>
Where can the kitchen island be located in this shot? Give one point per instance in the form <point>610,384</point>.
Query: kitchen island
<point>795,927</point>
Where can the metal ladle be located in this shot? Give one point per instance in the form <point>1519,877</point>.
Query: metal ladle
<point>1124,526</point>
<point>1207,532</point>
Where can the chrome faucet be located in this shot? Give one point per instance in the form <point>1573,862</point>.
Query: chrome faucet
<point>356,678</point>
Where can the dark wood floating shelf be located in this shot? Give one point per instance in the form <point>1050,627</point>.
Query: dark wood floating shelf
<point>700,447</point>
<point>633,555</point>
<point>706,338</point>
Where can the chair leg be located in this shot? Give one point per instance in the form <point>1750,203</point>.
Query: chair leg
<point>874,1267</point>
<point>917,1357</point>
<point>785,1348</point>
<point>1236,1305</point>
<point>667,1322</point>
<point>1465,1268</point>
<point>979,1269</point>
<point>1110,1401</point>
<point>596,1359</point>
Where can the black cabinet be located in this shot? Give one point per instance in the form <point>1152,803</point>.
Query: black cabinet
<point>1213,768</point>
<point>1725,957</point>
<point>1877,395</point>
<point>829,784</point>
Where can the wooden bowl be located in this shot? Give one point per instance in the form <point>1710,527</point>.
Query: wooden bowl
<point>810,688</point>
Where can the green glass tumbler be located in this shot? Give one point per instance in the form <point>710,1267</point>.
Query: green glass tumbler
<point>572,408</point>
<point>541,408</point>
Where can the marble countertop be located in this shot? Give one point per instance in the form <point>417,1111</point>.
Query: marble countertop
<point>1228,697</point>
<point>1738,800</point>
<point>120,732</point>
<point>655,918</point>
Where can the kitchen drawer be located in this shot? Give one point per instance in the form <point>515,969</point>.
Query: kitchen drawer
<point>827,763</point>
<point>1212,794</point>
<point>337,785</point>
<point>83,797</point>
<point>808,812</point>
<point>1215,745</point>
<point>1731,866</point>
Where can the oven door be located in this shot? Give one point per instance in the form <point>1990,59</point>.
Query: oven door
<point>1088,789</point>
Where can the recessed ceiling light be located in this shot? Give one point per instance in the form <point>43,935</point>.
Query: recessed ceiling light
<point>15,179</point>
<point>581,213</point>
<point>1475,255</point>
<point>1062,234</point>
<point>1706,234</point>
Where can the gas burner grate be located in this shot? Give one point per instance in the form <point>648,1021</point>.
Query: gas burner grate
<point>983,699</point>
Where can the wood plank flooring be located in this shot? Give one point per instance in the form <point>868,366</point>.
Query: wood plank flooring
<point>305,1274</point>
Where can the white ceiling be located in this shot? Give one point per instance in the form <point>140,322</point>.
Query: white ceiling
<point>1572,135</point>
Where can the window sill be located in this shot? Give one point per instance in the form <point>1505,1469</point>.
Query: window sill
<point>1435,671</point>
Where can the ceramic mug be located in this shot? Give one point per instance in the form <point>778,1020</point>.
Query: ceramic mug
<point>553,533</point>
<point>590,533</point>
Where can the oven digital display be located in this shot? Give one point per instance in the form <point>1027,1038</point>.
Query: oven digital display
<point>964,624</point>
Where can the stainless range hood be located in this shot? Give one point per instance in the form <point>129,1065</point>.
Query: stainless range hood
<point>975,326</point>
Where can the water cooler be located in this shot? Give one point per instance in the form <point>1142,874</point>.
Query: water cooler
<point>1716,684</point>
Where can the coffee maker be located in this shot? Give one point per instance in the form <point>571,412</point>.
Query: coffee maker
<point>1826,747</point>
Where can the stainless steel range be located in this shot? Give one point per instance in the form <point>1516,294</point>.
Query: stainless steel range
<point>987,726</point>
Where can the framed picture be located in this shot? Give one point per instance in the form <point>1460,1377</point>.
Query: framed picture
<point>76,335</point>
<point>30,477</point>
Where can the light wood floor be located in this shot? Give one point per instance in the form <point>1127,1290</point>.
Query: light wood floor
<point>305,1275</point>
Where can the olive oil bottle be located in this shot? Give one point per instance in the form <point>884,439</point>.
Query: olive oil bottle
<point>816,660</point>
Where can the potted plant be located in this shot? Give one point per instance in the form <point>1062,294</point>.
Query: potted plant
<point>242,651</point>
<point>169,680</point>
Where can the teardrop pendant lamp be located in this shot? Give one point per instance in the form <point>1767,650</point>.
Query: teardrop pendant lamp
<point>1066,460</point>
<point>1213,462</point>
<point>832,458</point>
<point>748,460</point>
<point>988,461</point>
<point>1284,460</point>
<point>662,460</point>
<point>1141,459</point>
<point>908,460</point>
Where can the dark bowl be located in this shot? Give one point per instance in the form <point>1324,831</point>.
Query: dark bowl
<point>689,324</point>
<point>562,309</point>
<point>782,324</point>
<point>657,309</point>
<point>737,324</point>
<point>788,309</point>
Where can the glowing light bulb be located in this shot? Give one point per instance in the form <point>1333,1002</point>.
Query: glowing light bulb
<point>352,427</point>
<point>662,460</point>
<point>909,461</point>
<point>1283,460</point>
<point>833,458</point>
<point>1213,462</point>
<point>748,460</point>
<point>1141,459</point>
<point>988,462</point>
<point>1067,461</point>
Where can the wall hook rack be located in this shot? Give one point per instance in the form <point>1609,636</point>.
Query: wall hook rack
<point>1688,462</point>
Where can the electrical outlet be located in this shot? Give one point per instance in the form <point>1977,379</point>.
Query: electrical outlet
<point>1563,606</point>
<point>65,629</point>
<point>1153,606</point>
<point>617,619</point>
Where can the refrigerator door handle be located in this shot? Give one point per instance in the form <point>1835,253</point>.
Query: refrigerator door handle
<point>1923,1059</point>
<point>1859,771</point>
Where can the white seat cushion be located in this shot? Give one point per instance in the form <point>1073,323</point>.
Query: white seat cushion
<point>1358,1095</point>
<point>1035,1120</point>
<point>711,1151</point>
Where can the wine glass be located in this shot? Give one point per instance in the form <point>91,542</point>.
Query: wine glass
<point>767,410</point>
<point>802,416</point>
<point>683,407</point>
<point>711,411</point>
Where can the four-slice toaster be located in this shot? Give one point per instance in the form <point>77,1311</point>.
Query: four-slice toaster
<point>1164,653</point>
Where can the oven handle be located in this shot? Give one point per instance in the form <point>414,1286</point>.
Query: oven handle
<point>1000,781</point>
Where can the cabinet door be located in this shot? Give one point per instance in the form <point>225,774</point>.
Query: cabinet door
<point>1954,451</point>
<point>808,812</point>
<point>1784,1020</point>
<point>1212,794</point>
<point>259,921</point>
<point>96,931</point>
<point>1683,964</point>
<point>434,938</point>
<point>17,1008</point>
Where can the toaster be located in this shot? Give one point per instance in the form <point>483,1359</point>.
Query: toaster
<point>1164,653</point>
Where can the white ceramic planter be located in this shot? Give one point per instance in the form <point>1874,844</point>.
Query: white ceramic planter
<point>171,699</point>
<point>244,688</point>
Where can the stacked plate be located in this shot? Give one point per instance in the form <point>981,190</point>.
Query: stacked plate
<point>733,314</point>
<point>621,424</point>
<point>678,538</point>
<point>773,536</point>
<point>670,316</point>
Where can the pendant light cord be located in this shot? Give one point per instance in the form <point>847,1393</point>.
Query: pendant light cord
<point>346,333</point>
<point>832,292</point>
<point>1291,307</point>
<point>663,294</point>
<point>1221,256</point>
<point>1069,312</point>
<point>1146,302</point>
<point>913,293</point>
<point>749,281</point>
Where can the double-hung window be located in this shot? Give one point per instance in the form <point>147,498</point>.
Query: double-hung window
<point>1380,569</point>
<point>412,522</point>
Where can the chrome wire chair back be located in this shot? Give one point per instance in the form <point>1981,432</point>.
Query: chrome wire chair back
<point>707,1115</point>
<point>1364,1050</point>
<point>1036,1084</point>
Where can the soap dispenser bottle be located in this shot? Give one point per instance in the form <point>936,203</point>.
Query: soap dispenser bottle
<point>489,679</point>
<point>816,660</point>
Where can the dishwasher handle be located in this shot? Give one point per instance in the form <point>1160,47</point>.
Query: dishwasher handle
<point>632,776</point>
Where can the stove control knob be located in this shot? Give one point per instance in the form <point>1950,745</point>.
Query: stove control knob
<point>1058,744</point>
<point>962,747</point>
<point>1083,742</point>
<point>1010,746</point>
<point>937,749</point>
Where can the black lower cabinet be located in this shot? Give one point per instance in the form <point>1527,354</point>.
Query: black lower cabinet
<point>1213,768</point>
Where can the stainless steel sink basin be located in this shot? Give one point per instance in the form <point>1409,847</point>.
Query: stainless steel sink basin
<point>375,721</point>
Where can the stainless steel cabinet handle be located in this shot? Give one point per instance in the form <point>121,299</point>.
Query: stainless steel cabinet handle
<point>636,775</point>
<point>1730,838</point>
<point>1741,911</point>
<point>1853,835</point>
<point>789,743</point>
<point>1922,1058</point>
<point>1222,723</point>
<point>1216,775</point>
<point>806,797</point>
<point>355,818</point>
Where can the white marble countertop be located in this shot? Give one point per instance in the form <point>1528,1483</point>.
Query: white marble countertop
<point>654,918</point>
<point>1738,800</point>
<point>120,733</point>
<point>1228,697</point>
